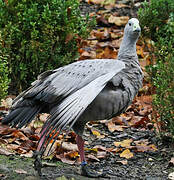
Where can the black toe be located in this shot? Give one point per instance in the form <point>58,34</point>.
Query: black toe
<point>37,162</point>
<point>87,171</point>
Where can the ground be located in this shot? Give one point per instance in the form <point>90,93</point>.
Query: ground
<point>143,165</point>
<point>148,161</point>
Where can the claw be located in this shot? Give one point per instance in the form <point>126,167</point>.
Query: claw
<point>87,171</point>
<point>37,162</point>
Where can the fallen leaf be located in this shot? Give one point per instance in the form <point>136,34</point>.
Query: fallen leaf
<point>171,176</point>
<point>95,132</point>
<point>4,151</point>
<point>126,154</point>
<point>112,127</point>
<point>20,135</point>
<point>28,154</point>
<point>101,154</point>
<point>92,157</point>
<point>125,143</point>
<point>118,21</point>
<point>2,175</point>
<point>171,162</point>
<point>71,154</point>
<point>69,146</point>
<point>65,160</point>
<point>69,37</point>
<point>95,1</point>
<point>142,146</point>
<point>20,171</point>
<point>100,147</point>
<point>43,117</point>
<point>7,103</point>
<point>124,162</point>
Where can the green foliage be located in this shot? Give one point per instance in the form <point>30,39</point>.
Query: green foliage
<point>153,17</point>
<point>157,19</point>
<point>40,35</point>
<point>4,80</point>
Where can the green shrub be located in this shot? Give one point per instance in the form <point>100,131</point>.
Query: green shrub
<point>157,19</point>
<point>4,80</point>
<point>40,35</point>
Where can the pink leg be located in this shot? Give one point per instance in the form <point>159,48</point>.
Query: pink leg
<point>80,144</point>
<point>42,140</point>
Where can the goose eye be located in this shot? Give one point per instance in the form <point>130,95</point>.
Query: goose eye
<point>129,24</point>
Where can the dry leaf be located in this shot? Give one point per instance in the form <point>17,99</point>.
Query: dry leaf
<point>126,154</point>
<point>118,21</point>
<point>95,1</point>
<point>101,154</point>
<point>90,156</point>
<point>65,160</point>
<point>124,162</point>
<point>69,146</point>
<point>20,171</point>
<point>71,154</point>
<point>4,151</point>
<point>125,143</point>
<point>142,146</point>
<point>171,162</point>
<point>95,132</point>
<point>100,147</point>
<point>19,134</point>
<point>2,175</point>
<point>28,154</point>
<point>171,176</point>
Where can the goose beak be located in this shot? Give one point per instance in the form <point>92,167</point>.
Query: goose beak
<point>136,28</point>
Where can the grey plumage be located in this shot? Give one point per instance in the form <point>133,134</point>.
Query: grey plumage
<point>82,91</point>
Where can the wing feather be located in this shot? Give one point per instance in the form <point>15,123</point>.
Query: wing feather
<point>74,105</point>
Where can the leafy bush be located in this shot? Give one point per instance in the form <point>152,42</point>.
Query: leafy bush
<point>157,19</point>
<point>40,35</point>
<point>4,80</point>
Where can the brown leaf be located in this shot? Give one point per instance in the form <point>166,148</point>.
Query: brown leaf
<point>2,175</point>
<point>125,143</point>
<point>71,154</point>
<point>101,154</point>
<point>112,127</point>
<point>65,160</point>
<point>27,154</point>
<point>100,147</point>
<point>69,37</point>
<point>20,135</point>
<point>4,151</point>
<point>114,150</point>
<point>118,21</point>
<point>124,162</point>
<point>43,117</point>
<point>126,154</point>
<point>140,51</point>
<point>171,162</point>
<point>7,103</point>
<point>92,157</point>
<point>106,53</point>
<point>69,146</point>
<point>139,121</point>
<point>95,1</point>
<point>143,145</point>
